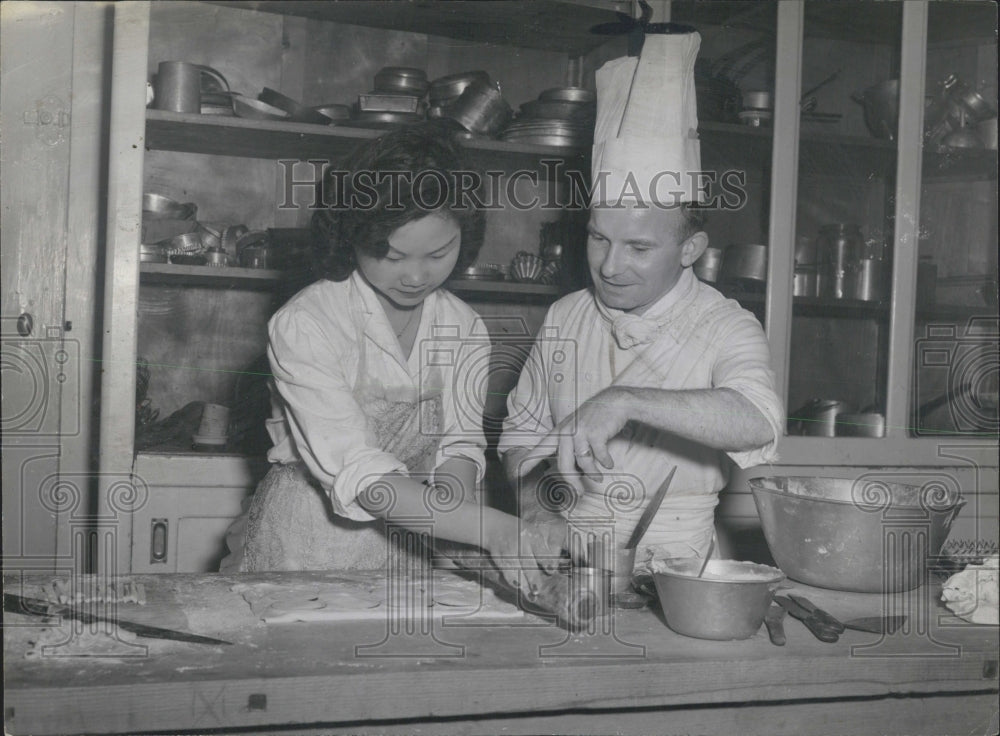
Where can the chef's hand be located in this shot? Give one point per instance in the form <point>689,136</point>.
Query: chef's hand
<point>582,437</point>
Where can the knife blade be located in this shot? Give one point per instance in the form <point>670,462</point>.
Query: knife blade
<point>774,620</point>
<point>819,613</point>
<point>650,511</point>
<point>876,624</point>
<point>822,631</point>
<point>13,603</point>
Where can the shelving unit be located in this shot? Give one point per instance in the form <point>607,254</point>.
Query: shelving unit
<point>234,277</point>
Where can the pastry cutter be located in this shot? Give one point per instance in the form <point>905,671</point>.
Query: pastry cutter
<point>13,603</point>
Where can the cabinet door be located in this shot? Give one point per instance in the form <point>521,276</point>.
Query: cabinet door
<point>179,524</point>
<point>39,365</point>
<point>955,358</point>
<point>840,329</point>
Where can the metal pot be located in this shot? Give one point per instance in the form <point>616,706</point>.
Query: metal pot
<point>745,262</point>
<point>881,103</point>
<point>728,602</point>
<point>836,532</point>
<point>708,265</point>
<point>449,88</point>
<point>817,418</point>
<point>757,100</point>
<point>481,109</point>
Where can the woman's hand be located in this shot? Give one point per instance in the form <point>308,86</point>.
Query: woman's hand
<point>523,550</point>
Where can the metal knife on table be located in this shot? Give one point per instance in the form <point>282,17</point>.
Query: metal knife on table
<point>870,624</point>
<point>13,603</point>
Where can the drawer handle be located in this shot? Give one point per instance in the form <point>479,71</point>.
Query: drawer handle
<point>158,541</point>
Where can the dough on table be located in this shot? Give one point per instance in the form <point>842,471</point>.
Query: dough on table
<point>373,600</point>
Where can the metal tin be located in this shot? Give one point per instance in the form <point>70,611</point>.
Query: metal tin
<point>745,262</point>
<point>707,267</point>
<point>805,281</point>
<point>838,245</point>
<point>866,280</point>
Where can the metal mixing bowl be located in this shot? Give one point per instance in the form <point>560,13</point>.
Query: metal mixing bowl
<point>866,535</point>
<point>728,602</point>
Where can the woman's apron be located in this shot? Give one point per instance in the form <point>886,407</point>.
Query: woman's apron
<point>289,522</point>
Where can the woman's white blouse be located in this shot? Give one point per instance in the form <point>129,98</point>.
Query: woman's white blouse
<point>331,344</point>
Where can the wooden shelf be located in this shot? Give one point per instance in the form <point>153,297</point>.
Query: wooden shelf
<point>229,277</point>
<point>508,291</point>
<point>812,306</point>
<point>270,139</point>
<point>257,278</point>
<point>551,25</point>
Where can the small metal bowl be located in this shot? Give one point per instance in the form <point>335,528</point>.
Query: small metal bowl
<point>484,272</point>
<point>158,207</point>
<point>728,602</point>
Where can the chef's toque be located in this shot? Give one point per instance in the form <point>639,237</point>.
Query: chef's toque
<point>646,138</point>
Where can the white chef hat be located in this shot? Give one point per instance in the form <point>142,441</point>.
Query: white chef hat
<point>646,136</point>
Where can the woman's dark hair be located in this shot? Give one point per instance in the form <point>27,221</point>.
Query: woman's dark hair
<point>386,183</point>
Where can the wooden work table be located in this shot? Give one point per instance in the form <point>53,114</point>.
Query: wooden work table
<point>630,674</point>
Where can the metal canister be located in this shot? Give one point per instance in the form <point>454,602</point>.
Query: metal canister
<point>866,279</point>
<point>707,266</point>
<point>804,282</point>
<point>839,244</point>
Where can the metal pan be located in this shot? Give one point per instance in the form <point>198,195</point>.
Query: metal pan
<point>401,79</point>
<point>335,112</point>
<point>297,112</point>
<point>247,107</point>
<point>568,94</point>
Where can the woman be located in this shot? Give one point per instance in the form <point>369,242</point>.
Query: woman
<point>375,417</point>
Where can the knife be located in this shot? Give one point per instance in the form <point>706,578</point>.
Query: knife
<point>819,613</point>
<point>876,624</point>
<point>650,512</point>
<point>775,626</point>
<point>13,603</point>
<point>822,631</point>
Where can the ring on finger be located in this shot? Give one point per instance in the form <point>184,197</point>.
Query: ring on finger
<point>586,453</point>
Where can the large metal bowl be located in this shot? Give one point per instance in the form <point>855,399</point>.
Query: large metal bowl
<point>728,602</point>
<point>866,535</point>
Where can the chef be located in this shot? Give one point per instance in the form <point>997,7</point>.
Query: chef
<point>649,369</point>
